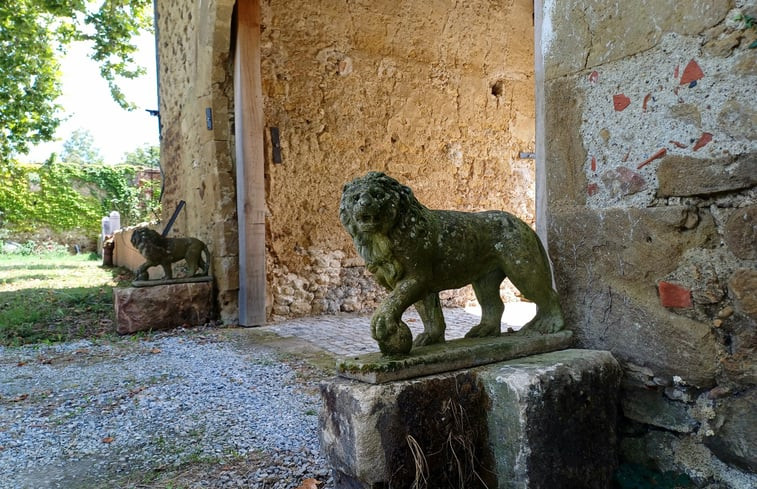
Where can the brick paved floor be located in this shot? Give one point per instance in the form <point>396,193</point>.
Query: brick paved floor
<point>348,334</point>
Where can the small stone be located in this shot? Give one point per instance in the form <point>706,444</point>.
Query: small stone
<point>741,232</point>
<point>620,102</point>
<point>703,140</point>
<point>743,287</point>
<point>717,323</point>
<point>691,73</point>
<point>674,296</point>
<point>726,312</point>
<point>718,392</point>
<point>658,154</point>
<point>623,181</point>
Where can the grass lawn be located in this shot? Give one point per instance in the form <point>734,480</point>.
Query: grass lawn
<point>55,297</point>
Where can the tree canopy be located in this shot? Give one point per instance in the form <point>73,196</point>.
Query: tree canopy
<point>146,155</point>
<point>34,34</point>
<point>80,149</point>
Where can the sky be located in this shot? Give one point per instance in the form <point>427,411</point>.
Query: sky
<point>87,104</point>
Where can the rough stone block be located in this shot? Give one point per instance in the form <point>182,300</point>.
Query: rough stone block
<point>743,287</point>
<point>546,421</point>
<point>607,266</point>
<point>734,439</point>
<point>741,232</point>
<point>163,306</point>
<point>681,176</point>
<point>651,407</point>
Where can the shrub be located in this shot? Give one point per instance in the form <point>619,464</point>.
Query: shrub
<point>62,197</point>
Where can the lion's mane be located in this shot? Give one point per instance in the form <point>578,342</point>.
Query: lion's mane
<point>404,223</point>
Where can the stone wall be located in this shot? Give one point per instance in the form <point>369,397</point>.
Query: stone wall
<point>437,94</point>
<point>651,170</point>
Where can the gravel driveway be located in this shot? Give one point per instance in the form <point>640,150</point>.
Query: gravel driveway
<point>203,408</point>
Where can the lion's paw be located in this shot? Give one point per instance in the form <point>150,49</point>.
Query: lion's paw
<point>483,331</point>
<point>545,324</point>
<point>382,327</point>
<point>424,339</point>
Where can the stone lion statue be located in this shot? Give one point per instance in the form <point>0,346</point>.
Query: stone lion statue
<point>162,251</point>
<point>415,252</point>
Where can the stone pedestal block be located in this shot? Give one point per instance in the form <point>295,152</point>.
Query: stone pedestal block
<point>163,306</point>
<point>545,421</point>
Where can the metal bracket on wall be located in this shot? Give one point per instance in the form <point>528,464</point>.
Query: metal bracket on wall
<point>275,145</point>
<point>173,218</point>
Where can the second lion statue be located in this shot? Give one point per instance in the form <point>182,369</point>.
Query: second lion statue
<point>415,252</point>
<point>159,250</point>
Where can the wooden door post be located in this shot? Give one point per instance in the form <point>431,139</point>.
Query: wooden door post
<point>249,126</point>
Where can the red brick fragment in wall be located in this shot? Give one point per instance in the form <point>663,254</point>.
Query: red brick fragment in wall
<point>592,189</point>
<point>691,73</point>
<point>705,138</point>
<point>593,163</point>
<point>659,154</point>
<point>675,72</point>
<point>677,144</point>
<point>620,102</point>
<point>646,100</point>
<point>673,295</point>
<point>593,77</point>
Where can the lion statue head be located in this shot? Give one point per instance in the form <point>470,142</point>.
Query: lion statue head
<point>380,213</point>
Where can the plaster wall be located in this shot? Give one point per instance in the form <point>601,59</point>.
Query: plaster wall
<point>437,94</point>
<point>651,171</point>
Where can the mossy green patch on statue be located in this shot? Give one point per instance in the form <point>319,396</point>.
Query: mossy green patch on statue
<point>415,252</point>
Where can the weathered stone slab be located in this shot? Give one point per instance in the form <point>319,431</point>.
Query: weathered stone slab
<point>608,264</point>
<point>452,355</point>
<point>543,421</point>
<point>162,306</point>
<point>685,176</point>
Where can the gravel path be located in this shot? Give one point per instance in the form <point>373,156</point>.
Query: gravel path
<point>120,414</point>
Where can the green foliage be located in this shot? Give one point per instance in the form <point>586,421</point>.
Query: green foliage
<point>29,77</point>
<point>80,149</point>
<point>68,196</point>
<point>34,33</point>
<point>147,156</point>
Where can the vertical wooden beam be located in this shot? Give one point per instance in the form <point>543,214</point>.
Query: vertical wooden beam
<point>541,204</point>
<point>249,126</point>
